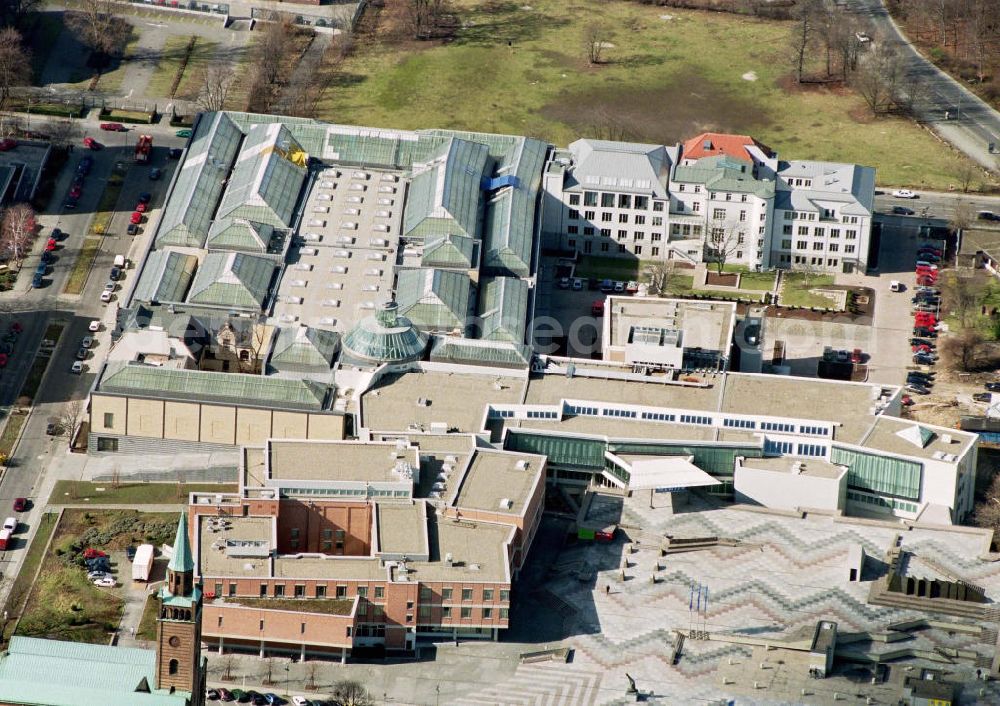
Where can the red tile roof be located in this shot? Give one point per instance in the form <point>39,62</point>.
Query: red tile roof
<point>711,144</point>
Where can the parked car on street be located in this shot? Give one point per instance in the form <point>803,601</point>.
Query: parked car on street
<point>77,367</point>
<point>992,386</point>
<point>904,194</point>
<point>983,397</point>
<point>988,216</point>
<point>902,211</point>
<point>91,144</point>
<point>135,218</point>
<point>113,127</point>
<point>20,504</point>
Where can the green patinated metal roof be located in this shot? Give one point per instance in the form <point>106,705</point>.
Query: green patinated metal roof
<point>448,251</point>
<point>166,276</point>
<point>239,234</point>
<point>503,309</point>
<point>470,351</point>
<point>508,231</point>
<point>384,337</point>
<point>232,279</point>
<point>722,173</point>
<point>302,348</point>
<point>181,561</point>
<point>445,198</point>
<point>436,300</point>
<point>195,195</point>
<point>206,386</point>
<point>60,673</point>
<point>264,185</point>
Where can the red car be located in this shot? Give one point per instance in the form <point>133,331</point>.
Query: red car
<point>907,401</point>
<point>140,207</point>
<point>3,360</point>
<point>75,192</point>
<point>50,245</point>
<point>20,504</point>
<point>91,553</point>
<point>926,281</point>
<point>16,327</point>
<point>91,143</point>
<point>7,145</point>
<point>136,218</point>
<point>857,356</point>
<point>113,127</point>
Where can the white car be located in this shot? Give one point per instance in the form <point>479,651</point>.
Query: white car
<point>77,367</point>
<point>106,582</point>
<point>94,575</point>
<point>904,194</point>
<point>106,296</point>
<point>94,326</point>
<point>87,342</point>
<point>300,701</point>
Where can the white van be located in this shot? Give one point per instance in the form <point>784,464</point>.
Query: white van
<point>120,261</point>
<point>10,524</point>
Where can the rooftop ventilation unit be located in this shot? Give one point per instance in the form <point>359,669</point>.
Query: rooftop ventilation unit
<point>506,503</point>
<point>522,465</point>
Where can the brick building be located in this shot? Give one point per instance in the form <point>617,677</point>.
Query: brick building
<point>333,546</point>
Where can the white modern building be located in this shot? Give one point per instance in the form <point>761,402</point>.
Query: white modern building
<point>714,197</point>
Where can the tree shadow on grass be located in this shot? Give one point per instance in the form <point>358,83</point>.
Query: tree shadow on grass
<point>505,22</point>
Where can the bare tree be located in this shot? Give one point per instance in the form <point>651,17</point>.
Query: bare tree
<point>880,78</point>
<point>967,173</point>
<point>15,62</point>
<point>98,27</point>
<point>268,679</point>
<point>17,230</point>
<point>215,90</point>
<point>811,16</point>
<point>424,17</point>
<point>311,670</point>
<point>63,132</point>
<point>962,294</point>
<point>965,349</point>
<point>961,218</point>
<point>11,124</point>
<point>70,417</point>
<point>722,242</point>
<point>14,12</point>
<point>659,277</point>
<point>228,662</point>
<point>595,41</point>
<point>351,693</point>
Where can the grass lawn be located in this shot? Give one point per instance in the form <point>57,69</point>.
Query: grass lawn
<point>63,603</point>
<point>22,582</point>
<point>81,268</point>
<point>147,623</point>
<point>194,73</point>
<point>11,430</point>
<point>521,69</point>
<point>795,290</point>
<point>69,492</point>
<point>618,268</point>
<point>757,281</point>
<point>168,64</point>
<point>111,80</point>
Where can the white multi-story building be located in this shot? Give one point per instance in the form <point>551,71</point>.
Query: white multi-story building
<point>608,198</point>
<point>716,196</point>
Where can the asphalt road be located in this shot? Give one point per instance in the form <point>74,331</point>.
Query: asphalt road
<point>975,120</point>
<point>940,207</point>
<point>36,308</point>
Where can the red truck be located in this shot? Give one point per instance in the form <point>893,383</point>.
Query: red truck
<point>143,148</point>
<point>4,539</point>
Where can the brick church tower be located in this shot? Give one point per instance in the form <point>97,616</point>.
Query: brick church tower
<point>179,664</point>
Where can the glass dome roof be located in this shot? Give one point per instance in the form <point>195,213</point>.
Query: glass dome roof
<point>385,337</point>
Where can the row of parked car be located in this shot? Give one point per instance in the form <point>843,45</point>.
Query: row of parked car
<point>926,311</point>
<point>258,699</point>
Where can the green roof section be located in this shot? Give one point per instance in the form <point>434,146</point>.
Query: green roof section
<point>445,199</point>
<point>61,673</point>
<point>509,229</point>
<point>471,351</point>
<point>449,251</point>
<point>198,186</point>
<point>181,561</point>
<point>304,349</point>
<point>723,173</point>
<point>207,386</point>
<point>166,276</point>
<point>265,182</point>
<point>240,235</point>
<point>384,337</point>
<point>235,280</point>
<point>434,300</point>
<point>503,309</point>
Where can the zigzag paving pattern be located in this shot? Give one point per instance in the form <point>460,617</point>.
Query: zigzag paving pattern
<point>784,575</point>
